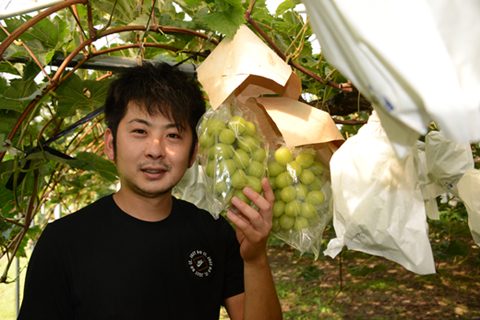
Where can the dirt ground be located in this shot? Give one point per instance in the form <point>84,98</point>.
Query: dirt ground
<point>392,292</point>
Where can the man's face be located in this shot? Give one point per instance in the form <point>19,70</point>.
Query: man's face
<point>152,154</point>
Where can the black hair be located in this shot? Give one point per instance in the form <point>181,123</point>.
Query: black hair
<point>157,89</point>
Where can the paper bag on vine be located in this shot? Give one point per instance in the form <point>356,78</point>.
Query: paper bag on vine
<point>302,139</point>
<point>378,204</point>
<point>232,153</point>
<point>430,190</point>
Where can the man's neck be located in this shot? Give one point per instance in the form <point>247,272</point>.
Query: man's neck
<point>144,208</point>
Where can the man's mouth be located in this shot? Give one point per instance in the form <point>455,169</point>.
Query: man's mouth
<point>153,171</point>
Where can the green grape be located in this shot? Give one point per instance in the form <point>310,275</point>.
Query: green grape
<point>274,169</point>
<point>237,124</point>
<point>278,208</point>
<point>288,194</point>
<point>255,184</point>
<point>307,176</point>
<point>206,140</point>
<point>259,154</point>
<point>271,180</point>
<point>249,129</point>
<point>317,168</point>
<point>293,208</point>
<point>248,143</point>
<point>315,197</point>
<point>277,193</point>
<point>276,226</point>
<point>287,222</point>
<point>316,184</point>
<point>202,128</point>
<point>256,169</point>
<point>283,180</point>
<point>294,168</point>
<point>227,168</point>
<point>241,159</point>
<point>305,159</point>
<point>300,223</point>
<point>283,156</point>
<point>302,191</point>
<point>222,187</point>
<point>308,211</point>
<point>227,136</point>
<point>214,126</point>
<point>220,151</point>
<point>239,179</point>
<point>239,194</point>
<point>210,169</point>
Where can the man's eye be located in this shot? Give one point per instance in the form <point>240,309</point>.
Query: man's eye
<point>173,135</point>
<point>139,131</point>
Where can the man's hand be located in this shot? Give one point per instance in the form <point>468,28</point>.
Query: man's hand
<point>253,227</point>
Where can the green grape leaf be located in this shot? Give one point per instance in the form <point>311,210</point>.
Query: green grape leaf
<point>284,6</point>
<point>190,3</point>
<point>19,94</point>
<point>71,96</point>
<point>227,19</point>
<point>105,168</point>
<point>8,68</point>
<point>125,10</point>
<point>51,33</point>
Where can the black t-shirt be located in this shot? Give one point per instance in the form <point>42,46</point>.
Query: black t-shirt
<point>101,263</point>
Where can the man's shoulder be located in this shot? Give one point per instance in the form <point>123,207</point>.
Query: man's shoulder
<point>86,214</point>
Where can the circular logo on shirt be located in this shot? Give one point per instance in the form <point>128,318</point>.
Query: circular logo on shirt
<point>200,263</point>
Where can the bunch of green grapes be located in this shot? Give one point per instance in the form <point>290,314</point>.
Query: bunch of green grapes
<point>233,155</point>
<point>297,185</point>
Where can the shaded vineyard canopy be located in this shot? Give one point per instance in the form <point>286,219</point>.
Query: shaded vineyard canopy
<point>57,65</point>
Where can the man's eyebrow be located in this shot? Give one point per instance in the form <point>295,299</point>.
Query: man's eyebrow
<point>148,124</point>
<point>142,121</point>
<point>173,125</point>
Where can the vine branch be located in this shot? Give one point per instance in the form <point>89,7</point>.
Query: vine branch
<point>342,86</point>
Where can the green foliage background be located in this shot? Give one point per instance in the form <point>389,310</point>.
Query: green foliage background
<point>39,100</point>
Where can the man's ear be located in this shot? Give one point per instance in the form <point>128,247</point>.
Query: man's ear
<point>194,155</point>
<point>109,148</point>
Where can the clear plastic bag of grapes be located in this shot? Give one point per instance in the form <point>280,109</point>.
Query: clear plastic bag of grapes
<point>232,153</point>
<point>302,189</point>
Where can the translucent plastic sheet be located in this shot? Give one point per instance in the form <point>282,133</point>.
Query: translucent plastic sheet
<point>232,153</point>
<point>302,208</point>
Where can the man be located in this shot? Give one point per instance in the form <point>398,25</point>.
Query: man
<point>141,253</point>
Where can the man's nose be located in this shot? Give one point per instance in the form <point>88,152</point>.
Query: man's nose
<point>155,149</point>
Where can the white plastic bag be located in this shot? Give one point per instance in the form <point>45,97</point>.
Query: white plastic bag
<point>469,192</point>
<point>378,205</point>
<point>447,161</point>
<point>399,54</point>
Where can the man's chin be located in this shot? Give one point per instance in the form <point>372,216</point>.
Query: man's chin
<point>151,193</point>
